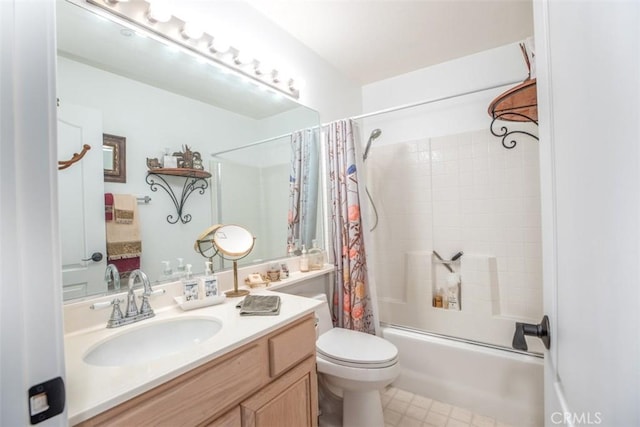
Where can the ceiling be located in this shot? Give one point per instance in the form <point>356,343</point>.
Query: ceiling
<point>371,40</point>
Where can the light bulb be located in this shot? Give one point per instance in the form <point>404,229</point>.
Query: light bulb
<point>243,57</point>
<point>276,76</point>
<point>192,31</point>
<point>159,12</point>
<point>264,68</point>
<point>219,45</point>
<point>296,84</point>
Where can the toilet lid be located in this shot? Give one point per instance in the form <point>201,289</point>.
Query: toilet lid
<point>352,348</point>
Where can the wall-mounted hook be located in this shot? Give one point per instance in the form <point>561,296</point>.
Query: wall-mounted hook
<point>63,164</point>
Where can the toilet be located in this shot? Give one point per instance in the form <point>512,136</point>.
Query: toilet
<point>357,363</point>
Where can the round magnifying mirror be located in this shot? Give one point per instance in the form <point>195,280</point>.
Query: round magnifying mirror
<point>204,242</point>
<point>233,241</point>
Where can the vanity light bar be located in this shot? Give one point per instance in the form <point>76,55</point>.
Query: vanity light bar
<point>159,21</point>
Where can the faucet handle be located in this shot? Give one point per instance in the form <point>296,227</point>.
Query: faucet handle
<point>145,307</point>
<point>116,314</point>
<point>132,308</point>
<point>105,304</point>
<point>100,305</point>
<point>153,293</point>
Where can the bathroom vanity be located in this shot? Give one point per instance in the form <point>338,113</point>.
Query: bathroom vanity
<point>255,371</point>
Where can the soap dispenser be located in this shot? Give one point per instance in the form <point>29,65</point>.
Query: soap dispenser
<point>316,256</point>
<point>189,285</point>
<point>208,282</point>
<point>304,260</point>
<point>180,268</point>
<point>167,273</point>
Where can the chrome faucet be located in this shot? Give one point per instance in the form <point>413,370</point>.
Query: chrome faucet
<point>132,314</point>
<point>145,307</point>
<point>112,274</point>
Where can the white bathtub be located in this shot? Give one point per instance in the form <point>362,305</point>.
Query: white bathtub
<point>498,383</point>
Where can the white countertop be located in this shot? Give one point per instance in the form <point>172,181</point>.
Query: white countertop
<point>94,389</point>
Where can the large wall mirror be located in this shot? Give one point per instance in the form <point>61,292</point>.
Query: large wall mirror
<point>113,80</point>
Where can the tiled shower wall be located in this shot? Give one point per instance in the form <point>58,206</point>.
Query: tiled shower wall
<point>462,192</point>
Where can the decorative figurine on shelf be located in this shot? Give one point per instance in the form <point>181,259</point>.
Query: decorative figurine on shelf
<point>153,163</point>
<point>197,163</point>
<point>189,159</point>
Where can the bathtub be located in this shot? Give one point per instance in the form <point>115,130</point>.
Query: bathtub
<point>505,385</point>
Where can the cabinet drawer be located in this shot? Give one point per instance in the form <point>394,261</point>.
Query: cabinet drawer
<point>291,346</point>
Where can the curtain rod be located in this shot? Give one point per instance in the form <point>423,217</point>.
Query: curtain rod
<point>379,112</point>
<point>431,101</point>
<point>252,144</point>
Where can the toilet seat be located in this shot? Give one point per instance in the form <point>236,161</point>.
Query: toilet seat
<point>356,349</point>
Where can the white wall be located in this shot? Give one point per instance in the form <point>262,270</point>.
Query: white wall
<point>441,181</point>
<point>489,68</point>
<point>495,67</point>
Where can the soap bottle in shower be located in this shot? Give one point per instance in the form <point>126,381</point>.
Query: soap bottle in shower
<point>437,298</point>
<point>453,291</point>
<point>445,298</point>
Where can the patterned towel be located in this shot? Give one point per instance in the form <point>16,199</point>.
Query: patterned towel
<point>124,246</point>
<point>124,206</point>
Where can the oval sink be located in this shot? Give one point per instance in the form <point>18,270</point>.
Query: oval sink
<point>153,341</point>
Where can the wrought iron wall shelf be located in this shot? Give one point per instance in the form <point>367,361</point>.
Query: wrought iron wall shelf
<point>518,104</point>
<point>194,180</point>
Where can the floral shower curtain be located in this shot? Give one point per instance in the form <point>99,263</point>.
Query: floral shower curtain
<point>303,189</point>
<point>352,308</point>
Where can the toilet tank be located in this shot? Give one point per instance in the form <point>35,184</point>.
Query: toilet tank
<point>323,314</point>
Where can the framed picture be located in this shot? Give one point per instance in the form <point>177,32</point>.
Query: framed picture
<point>114,152</point>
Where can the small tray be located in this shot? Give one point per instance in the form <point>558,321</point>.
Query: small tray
<point>199,303</point>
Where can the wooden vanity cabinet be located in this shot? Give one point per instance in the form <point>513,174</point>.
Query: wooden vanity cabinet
<point>269,382</point>
<point>291,400</point>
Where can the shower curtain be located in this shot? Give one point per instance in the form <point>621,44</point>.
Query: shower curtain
<point>352,307</point>
<point>303,189</point>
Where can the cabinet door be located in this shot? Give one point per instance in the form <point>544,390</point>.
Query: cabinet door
<point>290,401</point>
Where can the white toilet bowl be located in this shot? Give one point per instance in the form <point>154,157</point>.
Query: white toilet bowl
<point>359,364</point>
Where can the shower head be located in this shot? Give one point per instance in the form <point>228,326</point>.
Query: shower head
<point>374,134</point>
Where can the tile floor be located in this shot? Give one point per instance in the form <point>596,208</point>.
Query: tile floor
<point>405,409</point>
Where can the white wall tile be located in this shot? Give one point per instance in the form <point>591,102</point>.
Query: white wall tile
<point>462,192</point>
